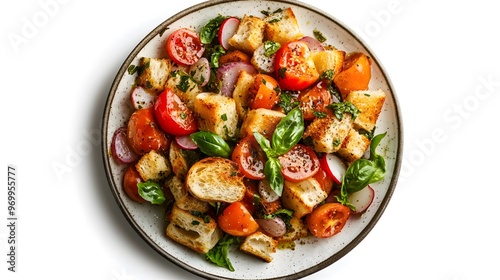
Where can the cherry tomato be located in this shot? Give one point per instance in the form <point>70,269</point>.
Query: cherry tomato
<point>295,67</point>
<point>324,180</point>
<point>237,220</point>
<point>143,134</point>
<point>130,180</point>
<point>300,163</point>
<point>263,93</point>
<point>184,46</point>
<point>314,101</point>
<point>355,74</point>
<point>173,116</point>
<point>327,219</point>
<point>250,158</point>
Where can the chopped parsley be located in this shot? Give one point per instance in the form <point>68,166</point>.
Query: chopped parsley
<point>344,107</point>
<point>319,36</point>
<point>271,48</point>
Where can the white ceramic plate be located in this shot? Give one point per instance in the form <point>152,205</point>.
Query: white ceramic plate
<point>309,256</point>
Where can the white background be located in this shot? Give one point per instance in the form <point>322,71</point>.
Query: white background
<point>442,57</point>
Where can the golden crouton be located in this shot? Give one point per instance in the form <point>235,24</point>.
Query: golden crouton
<point>153,73</point>
<point>216,113</point>
<point>198,233</point>
<point>183,199</point>
<point>354,146</point>
<point>259,245</point>
<point>297,230</point>
<point>153,166</point>
<point>241,95</point>
<point>303,196</point>
<point>249,35</point>
<point>326,135</point>
<point>328,60</point>
<point>184,87</point>
<point>282,27</point>
<point>181,160</point>
<point>261,120</point>
<point>369,103</point>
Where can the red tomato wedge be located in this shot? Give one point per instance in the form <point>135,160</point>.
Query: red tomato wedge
<point>295,67</point>
<point>250,158</point>
<point>184,46</point>
<point>300,163</point>
<point>143,133</point>
<point>314,101</point>
<point>130,180</point>
<point>328,219</point>
<point>263,92</point>
<point>237,220</point>
<point>173,116</point>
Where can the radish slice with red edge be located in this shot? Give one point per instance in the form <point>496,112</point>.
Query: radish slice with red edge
<point>185,142</point>
<point>362,199</point>
<point>312,43</point>
<point>120,148</point>
<point>334,167</point>
<point>227,29</point>
<point>228,75</point>
<point>200,71</point>
<point>141,99</point>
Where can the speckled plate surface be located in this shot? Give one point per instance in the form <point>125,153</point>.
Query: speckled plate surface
<point>311,254</point>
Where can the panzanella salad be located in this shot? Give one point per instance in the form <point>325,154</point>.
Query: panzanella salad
<point>252,134</point>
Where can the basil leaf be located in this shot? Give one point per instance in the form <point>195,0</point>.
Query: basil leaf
<point>344,107</point>
<point>218,254</point>
<point>378,160</point>
<point>265,145</point>
<point>272,170</point>
<point>151,192</point>
<point>211,144</point>
<point>210,30</point>
<point>358,175</point>
<point>288,132</point>
<point>271,48</point>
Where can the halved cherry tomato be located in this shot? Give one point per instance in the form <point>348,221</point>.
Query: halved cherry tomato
<point>295,67</point>
<point>173,116</point>
<point>130,180</point>
<point>314,100</point>
<point>184,46</point>
<point>300,163</point>
<point>355,74</point>
<point>143,134</point>
<point>250,158</point>
<point>236,220</point>
<point>263,93</point>
<point>328,219</point>
<point>324,180</point>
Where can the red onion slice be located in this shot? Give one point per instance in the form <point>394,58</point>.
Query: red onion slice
<point>312,43</point>
<point>228,75</point>
<point>275,227</point>
<point>120,148</point>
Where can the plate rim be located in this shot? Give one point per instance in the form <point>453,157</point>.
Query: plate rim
<point>306,272</point>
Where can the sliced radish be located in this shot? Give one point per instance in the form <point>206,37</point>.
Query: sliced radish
<point>120,149</point>
<point>312,43</point>
<point>228,75</point>
<point>200,71</point>
<point>185,142</point>
<point>142,99</point>
<point>227,29</point>
<point>362,199</point>
<point>267,194</point>
<point>334,167</point>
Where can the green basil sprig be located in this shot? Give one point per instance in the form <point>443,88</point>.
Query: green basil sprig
<point>363,172</point>
<point>344,107</point>
<point>287,134</point>
<point>218,254</point>
<point>211,144</point>
<point>210,29</point>
<point>151,191</point>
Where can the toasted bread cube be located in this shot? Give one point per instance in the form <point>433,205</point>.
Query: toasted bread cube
<point>354,146</point>
<point>184,87</point>
<point>241,95</point>
<point>283,27</point>
<point>303,196</point>
<point>249,35</point>
<point>369,103</point>
<point>261,61</point>
<point>327,134</point>
<point>328,60</point>
<point>259,245</point>
<point>297,230</point>
<point>153,166</point>
<point>181,160</point>
<point>153,73</point>
<point>261,120</point>
<point>193,231</point>
<point>182,198</point>
<point>216,113</point>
